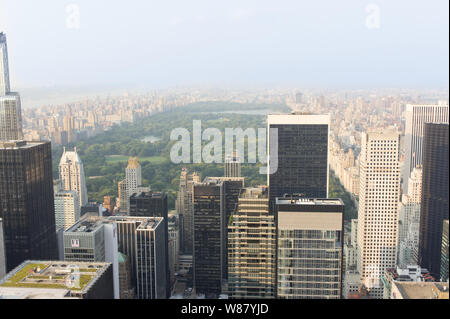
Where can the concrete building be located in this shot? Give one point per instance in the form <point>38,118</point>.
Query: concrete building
<point>71,173</point>
<point>232,167</point>
<point>378,206</point>
<point>409,273</point>
<point>174,245</point>
<point>151,260</point>
<point>419,290</point>
<point>93,239</point>
<point>416,117</point>
<point>309,248</point>
<point>67,209</point>
<point>252,247</point>
<point>58,280</point>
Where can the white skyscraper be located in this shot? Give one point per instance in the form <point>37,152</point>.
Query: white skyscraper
<point>10,108</point>
<point>67,208</point>
<point>133,176</point>
<point>378,206</point>
<point>232,166</point>
<point>416,116</point>
<point>71,173</point>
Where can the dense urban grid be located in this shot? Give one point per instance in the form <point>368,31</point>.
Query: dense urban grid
<point>356,207</point>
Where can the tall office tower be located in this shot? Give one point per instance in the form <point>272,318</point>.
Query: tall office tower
<point>93,239</point>
<point>67,209</point>
<point>174,245</point>
<point>309,247</point>
<point>251,247</point>
<point>302,163</point>
<point>127,244</point>
<point>207,250</point>
<point>26,201</point>
<point>416,117</point>
<point>10,108</point>
<point>184,205</point>
<point>415,185</point>
<point>378,206</point>
<point>133,176</point>
<point>123,198</point>
<point>444,251</point>
<point>232,166</point>
<point>435,188</point>
<point>71,173</point>
<point>2,252</point>
<point>153,204</point>
<point>230,188</point>
<point>151,260</point>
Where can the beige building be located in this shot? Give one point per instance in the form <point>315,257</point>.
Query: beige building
<point>419,290</point>
<point>251,247</point>
<point>378,206</point>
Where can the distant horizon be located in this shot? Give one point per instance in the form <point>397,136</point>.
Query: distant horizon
<point>245,44</point>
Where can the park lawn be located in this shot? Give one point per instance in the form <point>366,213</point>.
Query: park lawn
<point>122,158</point>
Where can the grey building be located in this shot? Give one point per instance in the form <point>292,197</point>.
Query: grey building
<point>444,251</point>
<point>309,248</point>
<point>93,239</point>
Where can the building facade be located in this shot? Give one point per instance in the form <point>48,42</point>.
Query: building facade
<point>251,247</point>
<point>435,195</point>
<point>71,174</point>
<point>298,161</point>
<point>67,209</point>
<point>309,248</point>
<point>27,202</point>
<point>444,251</point>
<point>378,206</point>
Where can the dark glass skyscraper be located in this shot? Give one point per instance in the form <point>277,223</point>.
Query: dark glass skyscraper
<point>301,165</point>
<point>207,252</point>
<point>435,188</point>
<point>26,202</point>
<point>153,204</point>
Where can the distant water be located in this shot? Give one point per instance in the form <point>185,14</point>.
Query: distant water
<point>248,112</point>
<point>150,139</point>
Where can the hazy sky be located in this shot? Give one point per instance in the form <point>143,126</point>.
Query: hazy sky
<point>244,43</point>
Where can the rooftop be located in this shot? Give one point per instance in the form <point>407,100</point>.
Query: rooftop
<point>423,290</point>
<point>296,200</point>
<point>46,276</point>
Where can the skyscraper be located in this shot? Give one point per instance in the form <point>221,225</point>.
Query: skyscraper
<point>232,166</point>
<point>27,202</point>
<point>153,204</point>
<point>379,194</point>
<point>71,173</point>
<point>301,166</point>
<point>67,208</point>
<point>251,247</point>
<point>10,109</point>
<point>416,117</point>
<point>435,188</point>
<point>309,248</point>
<point>207,250</point>
<point>133,176</point>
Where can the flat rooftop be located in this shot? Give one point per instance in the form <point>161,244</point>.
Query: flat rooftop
<point>46,276</point>
<point>87,224</point>
<point>15,145</point>
<point>308,201</point>
<point>423,290</point>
